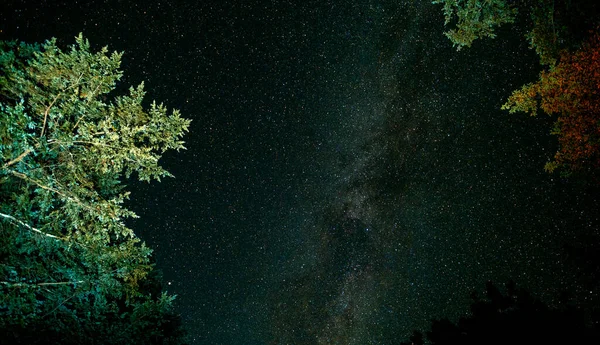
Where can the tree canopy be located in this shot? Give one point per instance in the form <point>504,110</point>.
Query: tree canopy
<point>568,87</point>
<point>570,90</point>
<point>70,268</point>
<point>475,19</point>
<point>551,25</point>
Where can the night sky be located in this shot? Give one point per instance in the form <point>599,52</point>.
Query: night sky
<point>348,174</point>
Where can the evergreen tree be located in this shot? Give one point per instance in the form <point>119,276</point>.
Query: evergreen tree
<point>71,271</point>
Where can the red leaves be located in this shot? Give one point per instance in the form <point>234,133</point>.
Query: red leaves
<point>571,90</point>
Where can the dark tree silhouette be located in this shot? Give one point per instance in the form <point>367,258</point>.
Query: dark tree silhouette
<point>513,318</point>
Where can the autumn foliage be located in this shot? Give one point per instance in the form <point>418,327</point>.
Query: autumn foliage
<point>571,91</point>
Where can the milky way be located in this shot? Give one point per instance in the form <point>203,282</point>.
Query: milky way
<point>423,192</point>
<point>348,174</point>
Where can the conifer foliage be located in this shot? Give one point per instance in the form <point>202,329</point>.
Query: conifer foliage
<point>70,269</point>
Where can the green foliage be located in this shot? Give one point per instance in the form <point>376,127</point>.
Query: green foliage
<point>568,89</point>
<point>475,19</point>
<point>549,22</point>
<point>544,36</point>
<point>69,267</point>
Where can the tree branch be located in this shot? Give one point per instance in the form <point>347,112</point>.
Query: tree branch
<point>15,220</point>
<point>41,284</point>
<point>77,123</point>
<point>51,141</point>
<point>46,113</point>
<point>39,184</point>
<point>61,283</point>
<point>68,197</point>
<point>20,222</point>
<point>17,160</point>
<point>60,304</point>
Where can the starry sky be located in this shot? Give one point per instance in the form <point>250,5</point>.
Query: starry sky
<point>348,174</point>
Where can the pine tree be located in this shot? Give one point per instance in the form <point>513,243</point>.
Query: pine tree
<point>70,268</point>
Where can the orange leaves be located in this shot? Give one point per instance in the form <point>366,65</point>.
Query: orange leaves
<point>524,100</point>
<point>570,90</point>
